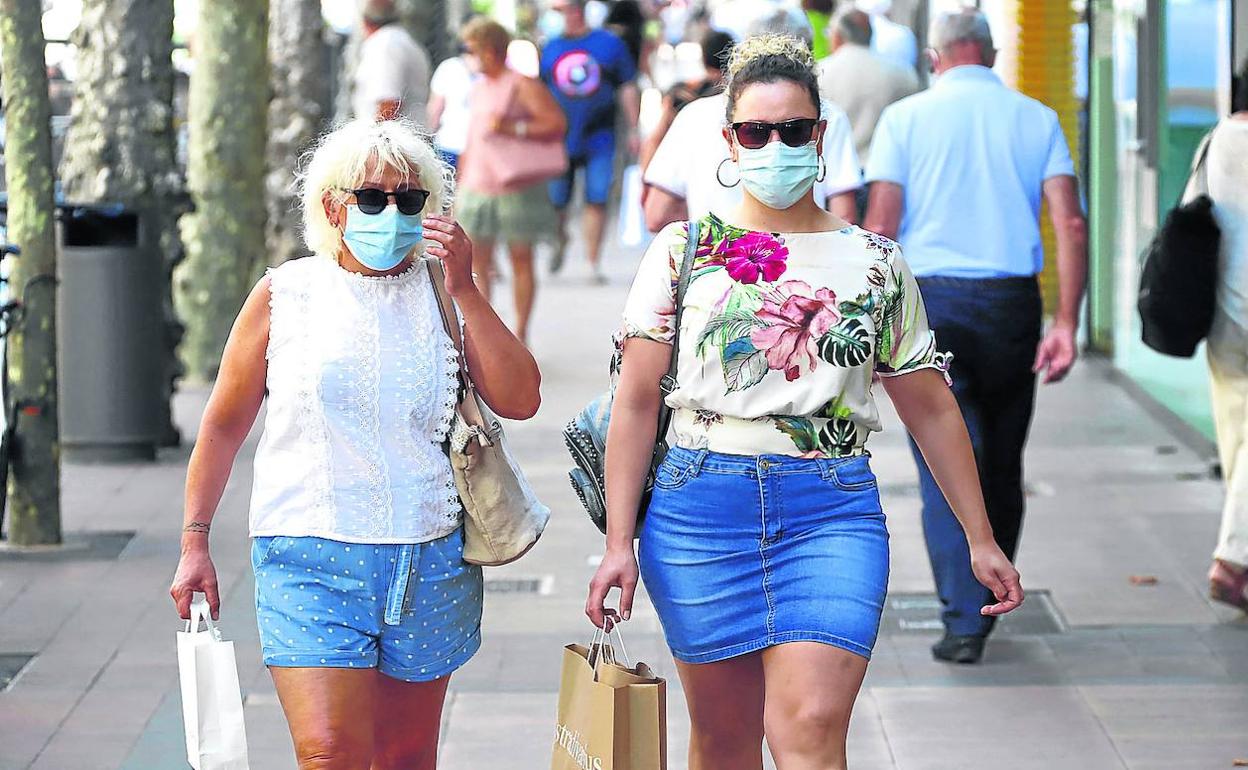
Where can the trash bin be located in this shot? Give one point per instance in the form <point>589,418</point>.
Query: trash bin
<point>110,335</point>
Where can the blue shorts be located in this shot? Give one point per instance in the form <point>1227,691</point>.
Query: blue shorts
<point>741,553</point>
<point>412,611</point>
<point>599,166</point>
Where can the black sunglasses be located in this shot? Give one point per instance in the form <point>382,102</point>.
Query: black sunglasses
<point>373,201</point>
<point>752,134</point>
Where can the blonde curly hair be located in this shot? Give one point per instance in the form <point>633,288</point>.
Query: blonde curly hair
<point>342,159</point>
<point>769,58</point>
<point>771,45</point>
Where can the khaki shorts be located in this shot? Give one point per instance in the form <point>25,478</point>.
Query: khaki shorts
<point>523,216</point>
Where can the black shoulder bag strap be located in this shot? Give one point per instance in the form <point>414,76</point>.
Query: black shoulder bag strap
<point>668,384</point>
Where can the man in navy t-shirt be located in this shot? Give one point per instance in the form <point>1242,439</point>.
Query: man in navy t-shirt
<point>588,70</point>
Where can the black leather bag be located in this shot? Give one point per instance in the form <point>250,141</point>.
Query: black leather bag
<point>1178,282</point>
<point>586,434</point>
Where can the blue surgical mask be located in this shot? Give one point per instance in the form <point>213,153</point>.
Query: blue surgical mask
<point>776,174</point>
<point>381,241</point>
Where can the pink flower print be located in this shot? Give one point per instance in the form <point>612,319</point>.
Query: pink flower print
<point>754,256</point>
<point>796,318</point>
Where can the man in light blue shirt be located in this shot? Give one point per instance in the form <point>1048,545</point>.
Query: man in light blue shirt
<point>957,176</point>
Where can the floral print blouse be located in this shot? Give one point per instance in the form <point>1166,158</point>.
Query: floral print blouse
<point>781,335</point>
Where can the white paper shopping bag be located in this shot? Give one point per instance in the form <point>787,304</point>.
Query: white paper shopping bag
<point>212,703</point>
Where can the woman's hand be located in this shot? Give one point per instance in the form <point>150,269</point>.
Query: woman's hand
<point>195,575</point>
<point>998,575</point>
<point>454,248</point>
<point>618,570</point>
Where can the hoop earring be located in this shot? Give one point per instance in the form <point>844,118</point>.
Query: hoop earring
<point>719,175</point>
<point>823,170</point>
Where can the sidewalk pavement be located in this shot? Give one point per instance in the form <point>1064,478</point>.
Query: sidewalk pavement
<point>1100,673</point>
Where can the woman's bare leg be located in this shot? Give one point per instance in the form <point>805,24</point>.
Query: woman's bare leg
<point>524,280</point>
<point>407,735</point>
<point>330,712</point>
<point>483,264</point>
<point>725,712</point>
<point>811,689</point>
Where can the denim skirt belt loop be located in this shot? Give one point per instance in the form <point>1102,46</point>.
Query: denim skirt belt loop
<point>740,553</point>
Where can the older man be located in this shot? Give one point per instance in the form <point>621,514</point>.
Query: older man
<point>957,174</point>
<point>684,180</point>
<point>392,76</point>
<point>860,81</point>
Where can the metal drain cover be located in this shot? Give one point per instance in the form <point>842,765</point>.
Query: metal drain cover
<point>11,664</point>
<point>919,613</point>
<point>539,586</point>
<point>77,546</point>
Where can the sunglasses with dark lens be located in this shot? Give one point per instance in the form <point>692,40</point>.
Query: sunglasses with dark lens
<point>751,134</point>
<point>373,201</point>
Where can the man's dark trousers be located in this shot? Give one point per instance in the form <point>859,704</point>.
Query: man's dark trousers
<point>992,326</point>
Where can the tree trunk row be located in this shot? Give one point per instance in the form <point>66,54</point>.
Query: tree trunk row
<point>225,234</point>
<point>34,484</point>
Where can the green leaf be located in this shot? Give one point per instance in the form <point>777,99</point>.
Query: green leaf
<point>744,365</point>
<point>848,344</point>
<point>726,328</point>
<point>800,429</point>
<point>835,408</point>
<point>744,297</point>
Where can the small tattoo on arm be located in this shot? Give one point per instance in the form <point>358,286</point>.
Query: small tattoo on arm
<point>196,526</point>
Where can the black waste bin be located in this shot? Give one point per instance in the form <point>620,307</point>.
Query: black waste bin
<point>110,334</point>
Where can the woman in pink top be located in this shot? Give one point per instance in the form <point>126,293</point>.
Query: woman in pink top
<point>504,103</point>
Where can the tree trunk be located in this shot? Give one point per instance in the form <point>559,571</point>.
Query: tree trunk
<point>121,145</point>
<point>224,236</point>
<point>35,485</point>
<point>300,82</point>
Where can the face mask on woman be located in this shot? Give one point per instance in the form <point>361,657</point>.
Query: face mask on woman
<point>776,174</point>
<point>380,241</point>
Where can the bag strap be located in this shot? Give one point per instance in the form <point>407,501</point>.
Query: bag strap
<point>200,611</point>
<point>668,384</point>
<point>1198,165</point>
<point>469,407</point>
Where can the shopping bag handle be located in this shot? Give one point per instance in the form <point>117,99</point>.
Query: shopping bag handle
<point>200,611</point>
<point>603,637</point>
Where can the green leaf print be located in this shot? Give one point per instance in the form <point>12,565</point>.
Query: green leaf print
<point>838,437</point>
<point>848,344</point>
<point>801,430</point>
<point>744,365</point>
<point>835,408</point>
<point>727,328</point>
<point>744,297</point>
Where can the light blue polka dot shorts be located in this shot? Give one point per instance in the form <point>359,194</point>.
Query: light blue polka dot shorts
<point>412,611</point>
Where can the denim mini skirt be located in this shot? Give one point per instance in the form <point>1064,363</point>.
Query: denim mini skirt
<point>739,553</point>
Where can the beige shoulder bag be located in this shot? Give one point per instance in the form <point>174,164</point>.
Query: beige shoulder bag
<point>502,517</point>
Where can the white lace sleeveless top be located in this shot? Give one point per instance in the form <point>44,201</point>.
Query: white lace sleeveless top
<point>361,393</point>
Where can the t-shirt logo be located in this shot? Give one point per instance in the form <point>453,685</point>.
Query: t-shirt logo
<point>577,74</point>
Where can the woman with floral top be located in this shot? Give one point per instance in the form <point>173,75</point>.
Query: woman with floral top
<point>764,548</point>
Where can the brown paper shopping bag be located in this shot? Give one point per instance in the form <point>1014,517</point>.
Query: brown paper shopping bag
<point>611,716</point>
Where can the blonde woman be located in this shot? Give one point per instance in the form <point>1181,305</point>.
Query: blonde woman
<point>764,548</point>
<point>364,602</point>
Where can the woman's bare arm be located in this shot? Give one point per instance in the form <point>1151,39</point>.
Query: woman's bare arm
<point>545,119</point>
<point>502,368</point>
<point>630,446</point>
<point>931,414</point>
<point>231,412</point>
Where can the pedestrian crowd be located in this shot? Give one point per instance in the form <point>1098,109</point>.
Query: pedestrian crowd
<point>833,210</point>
